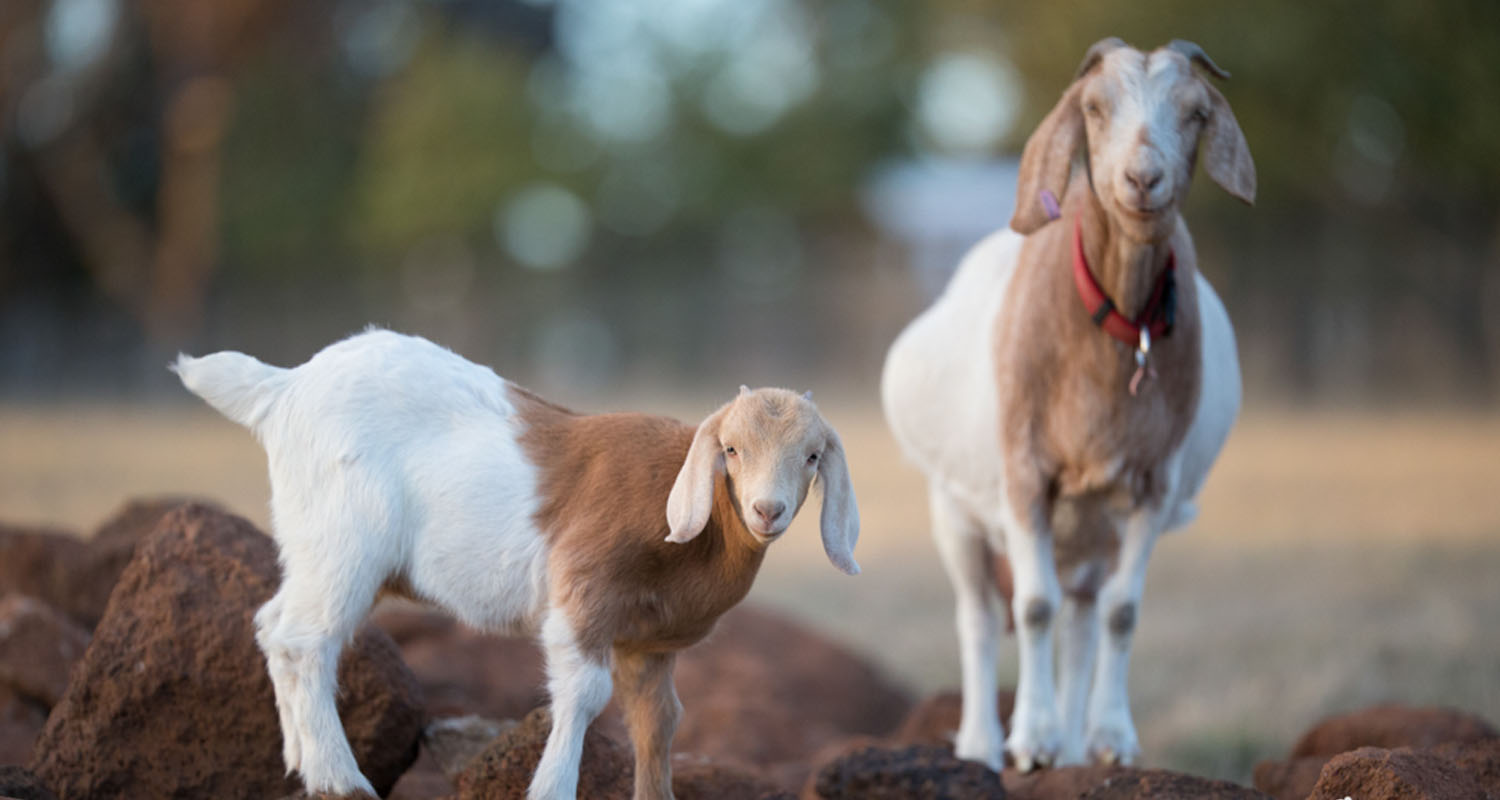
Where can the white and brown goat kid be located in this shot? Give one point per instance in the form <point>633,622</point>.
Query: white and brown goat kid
<point>617,539</point>
<point>1053,426</point>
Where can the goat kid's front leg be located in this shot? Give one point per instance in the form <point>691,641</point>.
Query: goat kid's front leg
<point>1111,735</point>
<point>579,683</point>
<point>651,710</point>
<point>1036,735</point>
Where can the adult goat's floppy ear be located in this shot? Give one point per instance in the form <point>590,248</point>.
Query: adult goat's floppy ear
<point>1225,153</point>
<point>840,518</point>
<point>1048,158</point>
<point>692,497</point>
<point>1047,161</point>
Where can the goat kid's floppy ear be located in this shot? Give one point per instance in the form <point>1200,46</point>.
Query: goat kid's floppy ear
<point>692,497</point>
<point>1047,161</point>
<point>840,519</point>
<point>1225,154</point>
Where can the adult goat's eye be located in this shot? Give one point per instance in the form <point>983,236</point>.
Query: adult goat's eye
<point>1200,116</point>
<point>1092,109</point>
<point>730,451</point>
<point>812,459</point>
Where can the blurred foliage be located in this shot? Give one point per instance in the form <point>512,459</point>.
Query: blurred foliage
<point>361,132</point>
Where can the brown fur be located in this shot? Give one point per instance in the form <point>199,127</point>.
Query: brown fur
<point>604,483</point>
<point>1077,445</point>
<point>1069,428</point>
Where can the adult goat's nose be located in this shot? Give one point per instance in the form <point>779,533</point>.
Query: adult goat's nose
<point>768,511</point>
<point>1144,180</point>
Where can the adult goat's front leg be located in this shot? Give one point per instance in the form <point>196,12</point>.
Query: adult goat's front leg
<point>644,681</point>
<point>1111,732</point>
<point>1036,734</point>
<point>578,680</point>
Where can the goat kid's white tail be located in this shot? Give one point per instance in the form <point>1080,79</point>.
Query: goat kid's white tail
<point>239,386</point>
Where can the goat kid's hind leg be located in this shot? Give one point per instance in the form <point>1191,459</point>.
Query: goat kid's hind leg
<point>319,615</point>
<point>1036,737</point>
<point>967,558</point>
<point>1111,732</point>
<point>644,683</point>
<point>283,679</point>
<point>579,683</point>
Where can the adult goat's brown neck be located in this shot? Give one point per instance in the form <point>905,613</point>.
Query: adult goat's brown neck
<point>1064,382</point>
<point>1127,269</point>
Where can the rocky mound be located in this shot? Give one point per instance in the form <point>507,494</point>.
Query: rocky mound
<point>505,767</point>
<point>915,772</point>
<point>463,671</point>
<point>172,698</point>
<point>38,647</point>
<point>1403,752</point>
<point>75,574</point>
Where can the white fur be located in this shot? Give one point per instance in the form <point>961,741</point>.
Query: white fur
<point>389,456</point>
<point>939,390</point>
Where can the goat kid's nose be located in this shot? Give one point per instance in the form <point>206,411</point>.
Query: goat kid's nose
<point>1144,180</point>
<point>768,511</point>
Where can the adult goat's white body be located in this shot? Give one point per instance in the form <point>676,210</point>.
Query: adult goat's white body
<point>1060,430</point>
<point>399,466</point>
<point>939,393</point>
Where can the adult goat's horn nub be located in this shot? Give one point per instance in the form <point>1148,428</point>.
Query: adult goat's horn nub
<point>1097,52</point>
<point>1194,54</point>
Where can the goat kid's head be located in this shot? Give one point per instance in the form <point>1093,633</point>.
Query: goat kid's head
<point>771,443</point>
<point>1144,119</point>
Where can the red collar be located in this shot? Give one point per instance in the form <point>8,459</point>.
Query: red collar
<point>1156,317</point>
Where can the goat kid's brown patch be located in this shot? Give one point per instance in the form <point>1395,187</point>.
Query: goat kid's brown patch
<point>603,486</point>
<point>1069,428</point>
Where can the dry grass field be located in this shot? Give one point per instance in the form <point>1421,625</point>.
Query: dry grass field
<point>1339,561</point>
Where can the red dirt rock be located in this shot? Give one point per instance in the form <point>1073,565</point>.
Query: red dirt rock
<point>1391,726</point>
<point>73,574</point>
<point>763,689</point>
<point>1062,783</point>
<point>21,721</point>
<point>1293,779</point>
<point>1156,784</point>
<point>463,671</point>
<point>1481,759</point>
<point>504,769</point>
<point>1374,773</point>
<point>107,553</point>
<point>38,648</point>
<point>934,720</point>
<point>20,784</point>
<point>916,772</point>
<point>172,698</point>
<point>40,563</point>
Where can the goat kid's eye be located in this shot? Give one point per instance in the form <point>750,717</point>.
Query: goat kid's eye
<point>812,459</point>
<point>730,451</point>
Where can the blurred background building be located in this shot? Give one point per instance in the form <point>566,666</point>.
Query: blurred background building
<point>592,195</point>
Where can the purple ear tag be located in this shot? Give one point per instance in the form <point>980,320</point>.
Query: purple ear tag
<point>1049,202</point>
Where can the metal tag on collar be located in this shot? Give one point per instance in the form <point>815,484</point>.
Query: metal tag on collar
<point>1142,370</point>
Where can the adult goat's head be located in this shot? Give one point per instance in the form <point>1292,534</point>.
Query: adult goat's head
<point>1143,120</point>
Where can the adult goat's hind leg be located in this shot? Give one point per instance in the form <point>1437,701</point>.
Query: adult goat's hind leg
<point>967,558</point>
